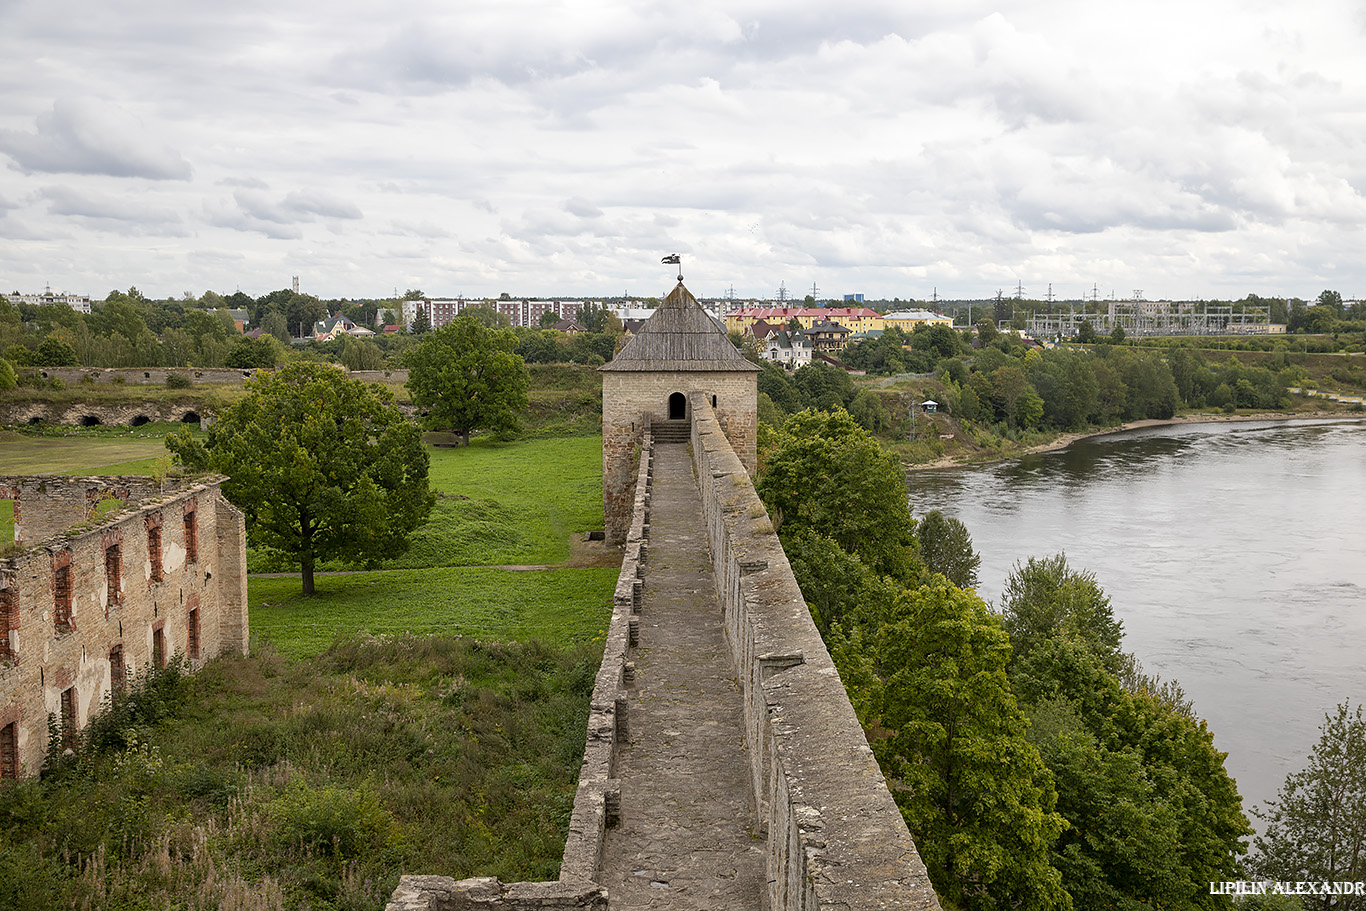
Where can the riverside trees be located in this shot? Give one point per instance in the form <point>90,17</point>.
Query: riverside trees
<point>322,465</point>
<point>1035,764</point>
<point>1316,826</point>
<point>924,663</point>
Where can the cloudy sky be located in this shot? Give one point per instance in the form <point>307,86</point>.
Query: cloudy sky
<point>897,148</point>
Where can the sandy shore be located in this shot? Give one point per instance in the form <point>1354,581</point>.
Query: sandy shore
<point>1067,439</point>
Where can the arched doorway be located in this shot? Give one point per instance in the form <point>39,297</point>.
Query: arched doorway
<point>678,407</point>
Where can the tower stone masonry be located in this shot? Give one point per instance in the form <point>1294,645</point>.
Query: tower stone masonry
<point>679,351</point>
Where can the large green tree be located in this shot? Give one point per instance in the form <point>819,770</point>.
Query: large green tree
<point>975,793</point>
<point>1316,826</point>
<point>323,466</point>
<point>1044,598</point>
<point>1153,815</point>
<point>828,475</point>
<point>465,376</point>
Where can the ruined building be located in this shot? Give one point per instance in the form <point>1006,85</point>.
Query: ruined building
<point>680,350</point>
<point>107,576</point>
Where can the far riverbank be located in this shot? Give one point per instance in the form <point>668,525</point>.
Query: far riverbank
<point>1067,439</point>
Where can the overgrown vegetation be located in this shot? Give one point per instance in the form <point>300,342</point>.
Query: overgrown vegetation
<point>261,783</point>
<point>1035,763</point>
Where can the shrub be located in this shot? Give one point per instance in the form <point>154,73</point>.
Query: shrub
<point>178,381</point>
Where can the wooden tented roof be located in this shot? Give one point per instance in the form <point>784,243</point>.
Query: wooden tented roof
<point>680,336</point>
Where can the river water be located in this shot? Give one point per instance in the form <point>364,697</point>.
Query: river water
<point>1234,554</point>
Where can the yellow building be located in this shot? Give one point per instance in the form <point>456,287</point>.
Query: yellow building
<point>855,319</point>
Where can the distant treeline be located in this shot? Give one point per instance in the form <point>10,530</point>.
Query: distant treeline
<point>1008,383</point>
<point>129,330</point>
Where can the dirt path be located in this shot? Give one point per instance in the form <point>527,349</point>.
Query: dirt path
<point>685,840</point>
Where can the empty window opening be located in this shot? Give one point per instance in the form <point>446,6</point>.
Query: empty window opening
<point>159,647</point>
<point>191,536</point>
<point>192,634</point>
<point>6,521</point>
<point>678,407</point>
<point>9,750</point>
<point>154,547</point>
<point>69,718</point>
<point>118,671</point>
<point>62,598</point>
<point>713,401</point>
<point>113,572</point>
<point>9,620</point>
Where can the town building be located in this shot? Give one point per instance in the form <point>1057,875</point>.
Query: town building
<point>109,576</point>
<point>907,320</point>
<point>523,313</point>
<point>855,319</point>
<point>77,302</point>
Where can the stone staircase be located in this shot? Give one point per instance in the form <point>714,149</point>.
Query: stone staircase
<point>671,431</point>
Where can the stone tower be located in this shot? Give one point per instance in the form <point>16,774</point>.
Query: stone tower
<point>678,352</point>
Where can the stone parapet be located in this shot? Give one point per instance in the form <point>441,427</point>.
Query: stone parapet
<point>597,801</point>
<point>835,837</point>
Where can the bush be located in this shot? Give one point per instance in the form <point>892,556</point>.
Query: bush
<point>178,381</point>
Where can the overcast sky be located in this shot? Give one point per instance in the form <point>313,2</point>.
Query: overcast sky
<point>1188,149</point>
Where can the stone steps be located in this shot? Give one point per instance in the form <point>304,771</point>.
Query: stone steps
<point>671,431</point>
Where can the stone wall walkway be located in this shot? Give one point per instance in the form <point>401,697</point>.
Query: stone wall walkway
<point>686,838</point>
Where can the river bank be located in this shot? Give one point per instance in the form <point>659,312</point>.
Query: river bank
<point>1067,439</point>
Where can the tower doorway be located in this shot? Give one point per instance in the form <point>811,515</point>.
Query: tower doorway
<point>678,407</point>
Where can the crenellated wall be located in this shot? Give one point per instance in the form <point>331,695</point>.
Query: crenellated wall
<point>835,837</point>
<point>597,801</point>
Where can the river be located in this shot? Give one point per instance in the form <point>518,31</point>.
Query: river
<point>1234,554</point>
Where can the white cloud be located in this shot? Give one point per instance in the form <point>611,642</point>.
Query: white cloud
<point>562,148</point>
<point>85,136</point>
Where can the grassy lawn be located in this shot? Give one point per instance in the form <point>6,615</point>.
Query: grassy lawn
<point>87,452</point>
<point>264,783</point>
<point>561,606</point>
<point>428,717</point>
<point>498,504</point>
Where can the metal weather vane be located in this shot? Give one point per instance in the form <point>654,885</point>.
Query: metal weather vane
<point>674,259</point>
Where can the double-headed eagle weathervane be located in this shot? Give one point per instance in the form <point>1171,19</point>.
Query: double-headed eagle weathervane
<point>674,259</point>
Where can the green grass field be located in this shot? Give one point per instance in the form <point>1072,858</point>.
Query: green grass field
<point>106,452</point>
<point>560,606</point>
<point>427,717</point>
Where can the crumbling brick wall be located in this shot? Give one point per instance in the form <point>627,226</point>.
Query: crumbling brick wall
<point>81,604</point>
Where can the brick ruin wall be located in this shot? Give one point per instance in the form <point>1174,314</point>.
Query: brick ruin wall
<point>632,401</point>
<point>73,597</point>
<point>835,837</point>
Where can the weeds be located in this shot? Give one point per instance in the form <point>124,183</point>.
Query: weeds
<point>262,783</point>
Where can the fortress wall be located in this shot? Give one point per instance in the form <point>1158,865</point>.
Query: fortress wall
<point>598,799</point>
<point>139,376</point>
<point>836,839</point>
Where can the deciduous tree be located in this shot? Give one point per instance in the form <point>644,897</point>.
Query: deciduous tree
<point>975,793</point>
<point>323,466</point>
<point>1316,826</point>
<point>465,376</point>
<point>829,475</point>
<point>946,547</point>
